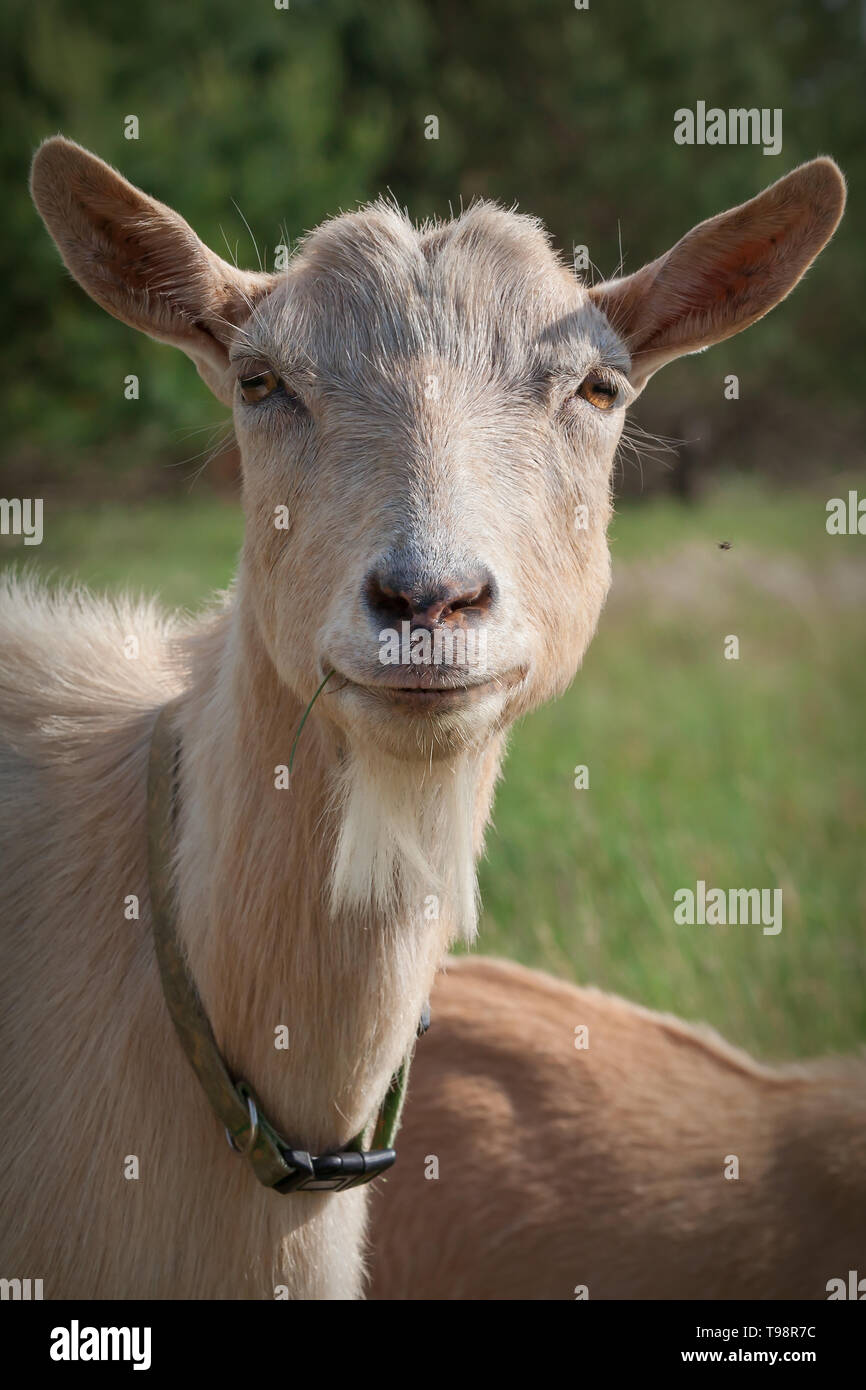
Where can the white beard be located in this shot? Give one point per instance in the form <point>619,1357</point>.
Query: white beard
<point>404,844</point>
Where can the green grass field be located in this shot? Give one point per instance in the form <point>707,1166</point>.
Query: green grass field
<point>747,774</point>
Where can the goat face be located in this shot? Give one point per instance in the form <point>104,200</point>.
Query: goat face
<point>432,416</point>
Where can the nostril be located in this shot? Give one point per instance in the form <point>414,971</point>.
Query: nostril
<point>478,599</point>
<point>386,602</point>
<point>393,596</point>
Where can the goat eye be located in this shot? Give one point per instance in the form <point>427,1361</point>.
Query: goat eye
<point>256,388</point>
<point>599,390</point>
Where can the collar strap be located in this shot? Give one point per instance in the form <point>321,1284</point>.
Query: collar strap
<point>275,1162</point>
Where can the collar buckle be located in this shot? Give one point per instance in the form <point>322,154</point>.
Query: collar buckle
<point>333,1172</point>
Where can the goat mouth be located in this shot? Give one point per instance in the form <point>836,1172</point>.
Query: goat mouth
<point>417,697</point>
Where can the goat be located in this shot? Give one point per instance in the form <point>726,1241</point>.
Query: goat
<point>644,1158</point>
<point>422,413</point>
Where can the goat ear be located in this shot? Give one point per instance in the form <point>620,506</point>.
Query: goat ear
<point>727,272</point>
<point>139,260</point>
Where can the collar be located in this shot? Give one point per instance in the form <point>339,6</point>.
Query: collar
<point>274,1160</point>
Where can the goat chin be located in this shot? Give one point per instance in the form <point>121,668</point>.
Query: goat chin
<point>404,845</point>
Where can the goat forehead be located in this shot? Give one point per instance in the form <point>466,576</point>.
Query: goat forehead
<point>370,285</point>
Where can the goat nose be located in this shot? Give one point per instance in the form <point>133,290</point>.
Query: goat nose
<point>394,595</point>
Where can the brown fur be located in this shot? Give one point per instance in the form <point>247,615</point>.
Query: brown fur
<point>605,1167</point>
<point>325,907</point>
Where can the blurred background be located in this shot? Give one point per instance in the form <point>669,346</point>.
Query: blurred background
<point>745,774</point>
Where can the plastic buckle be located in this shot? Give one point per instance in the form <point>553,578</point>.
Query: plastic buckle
<point>333,1172</point>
